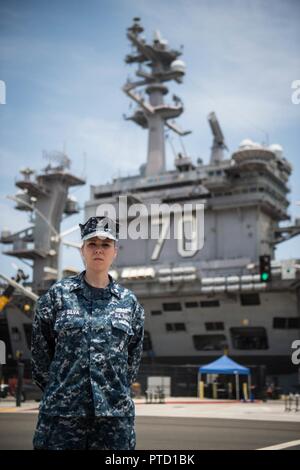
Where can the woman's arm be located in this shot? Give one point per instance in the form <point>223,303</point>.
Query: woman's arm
<point>42,341</point>
<point>135,347</point>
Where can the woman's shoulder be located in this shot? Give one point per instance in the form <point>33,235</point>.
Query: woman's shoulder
<point>67,284</point>
<point>123,292</point>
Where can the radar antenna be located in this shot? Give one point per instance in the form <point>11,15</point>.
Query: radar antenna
<point>218,146</point>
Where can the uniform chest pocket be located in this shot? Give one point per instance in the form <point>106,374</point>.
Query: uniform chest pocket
<point>69,325</point>
<point>121,334</point>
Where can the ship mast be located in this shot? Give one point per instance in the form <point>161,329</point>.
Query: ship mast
<point>154,114</point>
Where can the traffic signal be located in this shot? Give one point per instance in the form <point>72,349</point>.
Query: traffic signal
<point>265,268</point>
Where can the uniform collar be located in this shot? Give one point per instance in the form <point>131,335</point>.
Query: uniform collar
<point>78,283</point>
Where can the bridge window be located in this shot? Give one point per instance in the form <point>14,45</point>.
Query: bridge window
<point>191,304</point>
<point>210,342</point>
<point>172,307</point>
<point>210,303</point>
<point>175,327</point>
<point>286,323</point>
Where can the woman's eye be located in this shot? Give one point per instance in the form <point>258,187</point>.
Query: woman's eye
<point>105,245</point>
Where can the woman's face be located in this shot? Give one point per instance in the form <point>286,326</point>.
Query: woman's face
<point>99,254</point>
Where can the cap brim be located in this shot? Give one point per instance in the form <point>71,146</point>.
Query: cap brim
<point>100,234</point>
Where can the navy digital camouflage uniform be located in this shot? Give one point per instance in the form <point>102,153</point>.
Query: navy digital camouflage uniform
<point>86,349</point>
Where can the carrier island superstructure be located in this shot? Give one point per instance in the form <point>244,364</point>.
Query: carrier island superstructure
<point>199,304</point>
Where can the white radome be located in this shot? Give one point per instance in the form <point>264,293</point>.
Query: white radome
<point>178,66</point>
<point>277,149</point>
<point>249,144</point>
<point>246,143</point>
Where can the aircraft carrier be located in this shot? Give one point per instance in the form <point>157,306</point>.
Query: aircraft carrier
<point>198,303</point>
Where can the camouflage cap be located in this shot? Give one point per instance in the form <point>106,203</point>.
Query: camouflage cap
<point>101,227</point>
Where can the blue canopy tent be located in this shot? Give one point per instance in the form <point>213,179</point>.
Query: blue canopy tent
<point>225,365</point>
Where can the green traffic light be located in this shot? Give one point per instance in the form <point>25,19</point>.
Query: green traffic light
<point>265,276</point>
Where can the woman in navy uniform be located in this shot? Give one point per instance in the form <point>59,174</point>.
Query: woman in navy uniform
<point>87,342</point>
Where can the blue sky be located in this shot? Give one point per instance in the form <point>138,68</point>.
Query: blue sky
<point>63,65</point>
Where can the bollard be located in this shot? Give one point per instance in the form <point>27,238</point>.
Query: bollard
<point>201,390</point>
<point>245,391</point>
